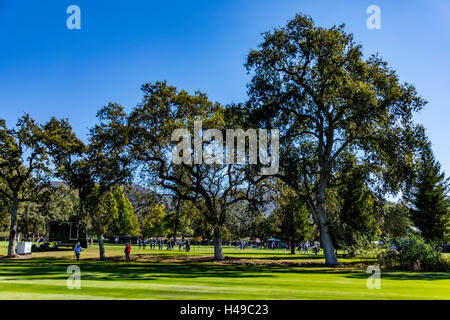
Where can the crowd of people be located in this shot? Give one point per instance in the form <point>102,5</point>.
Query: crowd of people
<point>168,244</point>
<point>303,247</point>
<point>307,245</point>
<point>185,245</point>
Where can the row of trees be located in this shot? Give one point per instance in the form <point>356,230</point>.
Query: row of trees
<point>347,140</point>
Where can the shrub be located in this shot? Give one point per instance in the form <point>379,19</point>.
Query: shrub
<point>415,254</point>
<point>44,246</point>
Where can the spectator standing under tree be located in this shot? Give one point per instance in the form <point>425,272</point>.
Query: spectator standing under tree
<point>307,247</point>
<point>317,247</point>
<point>77,250</point>
<point>127,252</point>
<point>188,245</point>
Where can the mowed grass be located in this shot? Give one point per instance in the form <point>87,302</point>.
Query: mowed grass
<point>248,274</point>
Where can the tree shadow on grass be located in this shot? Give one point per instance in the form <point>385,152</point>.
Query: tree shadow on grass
<point>403,275</point>
<point>123,271</point>
<point>55,268</point>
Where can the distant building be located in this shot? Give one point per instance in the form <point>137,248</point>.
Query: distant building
<point>67,233</point>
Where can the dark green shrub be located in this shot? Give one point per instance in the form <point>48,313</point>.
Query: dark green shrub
<point>44,246</point>
<point>415,254</point>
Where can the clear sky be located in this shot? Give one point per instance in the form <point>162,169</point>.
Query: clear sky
<point>48,70</point>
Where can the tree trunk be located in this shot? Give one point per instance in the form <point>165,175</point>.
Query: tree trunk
<point>177,218</point>
<point>292,244</point>
<point>218,256</point>
<point>13,231</point>
<point>101,247</point>
<point>322,216</point>
<point>325,236</point>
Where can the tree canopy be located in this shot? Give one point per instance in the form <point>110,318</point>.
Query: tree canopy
<point>327,99</point>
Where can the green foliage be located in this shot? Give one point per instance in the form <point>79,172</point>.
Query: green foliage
<point>180,221</point>
<point>93,170</point>
<point>291,219</point>
<point>123,221</point>
<point>4,214</point>
<point>141,199</point>
<point>24,168</point>
<point>355,220</point>
<point>58,203</point>
<point>239,222</point>
<point>202,227</point>
<point>395,221</point>
<point>328,100</point>
<point>30,218</point>
<point>262,227</point>
<point>211,187</point>
<point>414,253</point>
<point>102,209</point>
<point>154,224</point>
<point>431,205</point>
<point>225,234</point>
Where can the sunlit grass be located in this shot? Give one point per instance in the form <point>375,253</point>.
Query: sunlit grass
<point>247,274</point>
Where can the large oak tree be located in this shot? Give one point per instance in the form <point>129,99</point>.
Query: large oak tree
<point>211,187</point>
<point>92,169</point>
<point>24,169</point>
<point>315,85</point>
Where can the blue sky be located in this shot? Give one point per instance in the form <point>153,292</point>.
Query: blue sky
<point>47,70</point>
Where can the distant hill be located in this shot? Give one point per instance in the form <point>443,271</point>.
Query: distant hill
<point>134,186</point>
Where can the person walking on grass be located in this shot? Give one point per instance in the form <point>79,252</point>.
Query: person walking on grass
<point>127,252</point>
<point>77,250</point>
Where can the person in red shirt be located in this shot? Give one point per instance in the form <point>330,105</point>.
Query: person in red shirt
<point>127,252</point>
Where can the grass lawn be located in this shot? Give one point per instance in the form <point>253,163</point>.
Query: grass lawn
<point>248,274</point>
